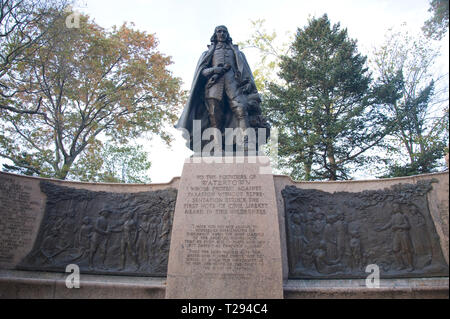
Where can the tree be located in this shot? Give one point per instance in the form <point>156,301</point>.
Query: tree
<point>118,164</point>
<point>270,53</point>
<point>325,110</point>
<point>436,27</point>
<point>419,110</point>
<point>92,85</point>
<point>19,31</point>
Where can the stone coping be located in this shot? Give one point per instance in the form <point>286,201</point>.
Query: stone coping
<point>411,288</point>
<point>176,178</point>
<point>412,177</point>
<point>47,285</point>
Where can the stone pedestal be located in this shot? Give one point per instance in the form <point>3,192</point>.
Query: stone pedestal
<point>225,237</point>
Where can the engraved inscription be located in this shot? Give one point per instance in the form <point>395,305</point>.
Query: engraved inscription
<point>231,248</point>
<point>225,194</point>
<point>224,248</point>
<point>16,221</point>
<point>225,241</point>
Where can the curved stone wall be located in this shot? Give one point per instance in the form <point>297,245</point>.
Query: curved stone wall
<point>344,226</point>
<point>47,224</point>
<point>36,213</point>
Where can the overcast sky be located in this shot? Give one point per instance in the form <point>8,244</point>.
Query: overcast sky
<point>185,27</point>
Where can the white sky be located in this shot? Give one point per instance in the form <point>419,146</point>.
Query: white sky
<point>185,27</point>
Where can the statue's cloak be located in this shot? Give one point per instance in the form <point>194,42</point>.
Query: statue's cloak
<point>195,108</point>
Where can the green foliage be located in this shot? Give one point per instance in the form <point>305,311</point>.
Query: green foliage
<point>437,26</point>
<point>270,52</point>
<point>91,84</point>
<point>117,164</point>
<point>420,120</point>
<point>325,110</point>
<point>20,31</point>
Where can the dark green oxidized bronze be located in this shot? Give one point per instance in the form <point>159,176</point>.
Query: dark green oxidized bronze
<point>103,232</point>
<point>223,94</point>
<point>337,235</point>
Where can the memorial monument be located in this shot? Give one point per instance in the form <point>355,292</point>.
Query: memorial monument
<point>228,228</point>
<point>226,240</point>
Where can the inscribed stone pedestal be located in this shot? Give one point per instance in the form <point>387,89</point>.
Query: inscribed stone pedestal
<point>225,238</point>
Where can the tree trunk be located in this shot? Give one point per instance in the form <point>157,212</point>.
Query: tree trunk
<point>332,162</point>
<point>62,174</point>
<point>308,165</point>
<point>307,171</point>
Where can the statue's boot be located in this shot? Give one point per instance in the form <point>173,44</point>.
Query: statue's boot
<point>249,143</point>
<point>212,107</point>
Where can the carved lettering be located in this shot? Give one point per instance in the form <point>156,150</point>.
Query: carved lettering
<point>16,221</point>
<point>221,248</point>
<point>226,194</point>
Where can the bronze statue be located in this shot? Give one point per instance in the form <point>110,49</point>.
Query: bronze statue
<point>223,93</point>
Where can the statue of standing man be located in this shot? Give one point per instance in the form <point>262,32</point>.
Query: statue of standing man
<point>223,93</point>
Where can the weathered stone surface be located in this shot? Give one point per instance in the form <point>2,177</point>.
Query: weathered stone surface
<point>17,284</point>
<point>30,285</point>
<point>408,288</point>
<point>103,232</point>
<point>21,207</point>
<point>225,241</point>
